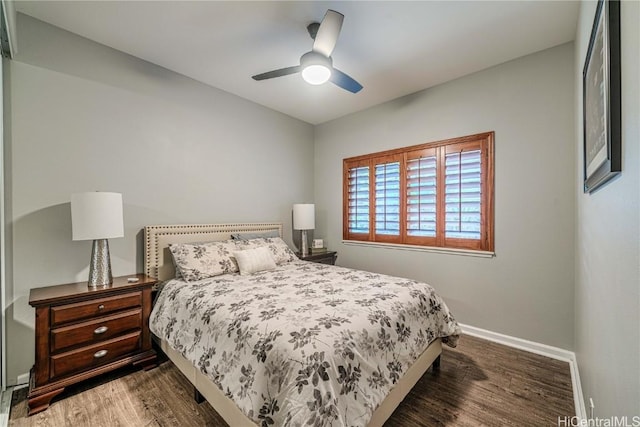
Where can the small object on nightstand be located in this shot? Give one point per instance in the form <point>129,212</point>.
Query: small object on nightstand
<point>85,331</point>
<point>320,256</point>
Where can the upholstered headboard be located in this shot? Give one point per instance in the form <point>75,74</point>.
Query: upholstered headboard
<point>158,261</point>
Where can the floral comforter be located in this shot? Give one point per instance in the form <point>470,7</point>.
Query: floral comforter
<point>306,343</point>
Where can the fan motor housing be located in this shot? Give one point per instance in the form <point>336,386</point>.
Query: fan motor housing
<point>315,58</point>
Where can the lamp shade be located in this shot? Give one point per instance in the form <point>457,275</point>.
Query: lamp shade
<point>304,216</point>
<point>96,215</point>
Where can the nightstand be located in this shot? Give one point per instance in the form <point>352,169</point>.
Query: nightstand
<point>326,257</point>
<point>82,332</point>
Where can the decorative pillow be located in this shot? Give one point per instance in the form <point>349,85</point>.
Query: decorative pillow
<point>255,235</point>
<point>254,260</point>
<point>197,261</point>
<point>278,248</point>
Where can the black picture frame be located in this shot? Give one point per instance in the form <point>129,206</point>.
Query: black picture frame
<point>602,149</point>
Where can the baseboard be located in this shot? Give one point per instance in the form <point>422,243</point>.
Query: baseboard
<point>543,350</point>
<point>22,379</point>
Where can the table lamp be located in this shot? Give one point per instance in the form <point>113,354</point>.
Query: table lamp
<point>97,216</point>
<point>304,218</point>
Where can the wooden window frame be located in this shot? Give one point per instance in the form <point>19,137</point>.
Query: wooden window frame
<point>482,141</point>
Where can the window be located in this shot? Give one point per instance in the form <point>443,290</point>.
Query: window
<point>438,194</point>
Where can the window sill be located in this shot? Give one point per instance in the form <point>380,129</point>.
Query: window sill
<point>451,251</point>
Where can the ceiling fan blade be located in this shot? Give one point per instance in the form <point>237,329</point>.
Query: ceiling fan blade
<point>277,73</point>
<point>342,80</point>
<point>328,33</point>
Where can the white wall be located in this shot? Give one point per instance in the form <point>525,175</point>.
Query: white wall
<point>85,117</point>
<point>608,243</point>
<point>527,289</point>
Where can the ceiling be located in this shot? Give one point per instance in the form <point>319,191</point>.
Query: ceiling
<point>393,48</point>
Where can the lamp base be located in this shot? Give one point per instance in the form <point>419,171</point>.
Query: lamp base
<point>100,266</point>
<point>304,243</point>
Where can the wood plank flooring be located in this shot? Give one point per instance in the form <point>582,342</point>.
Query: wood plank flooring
<point>479,383</point>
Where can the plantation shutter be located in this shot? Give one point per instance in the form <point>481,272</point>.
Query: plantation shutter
<point>421,200</point>
<point>387,197</point>
<point>463,195</point>
<point>358,200</point>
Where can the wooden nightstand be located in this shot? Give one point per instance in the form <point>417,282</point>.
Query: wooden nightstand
<point>326,257</point>
<point>82,332</point>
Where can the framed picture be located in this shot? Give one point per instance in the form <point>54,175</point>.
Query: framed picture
<point>601,98</point>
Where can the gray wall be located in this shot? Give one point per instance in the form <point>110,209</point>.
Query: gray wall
<point>85,117</point>
<point>526,291</point>
<point>608,243</point>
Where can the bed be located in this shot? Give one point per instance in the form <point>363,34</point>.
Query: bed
<point>298,344</point>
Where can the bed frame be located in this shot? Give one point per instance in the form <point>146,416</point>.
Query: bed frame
<point>158,263</point>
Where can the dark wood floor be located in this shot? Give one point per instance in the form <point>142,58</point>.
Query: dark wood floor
<point>479,383</point>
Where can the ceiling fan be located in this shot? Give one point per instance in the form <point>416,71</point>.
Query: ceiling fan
<point>316,66</point>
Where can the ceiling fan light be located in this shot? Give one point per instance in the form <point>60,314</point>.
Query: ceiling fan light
<point>316,74</point>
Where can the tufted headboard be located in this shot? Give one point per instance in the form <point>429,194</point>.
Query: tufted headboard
<point>158,261</point>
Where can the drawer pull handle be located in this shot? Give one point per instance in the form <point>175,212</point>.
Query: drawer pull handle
<point>101,330</point>
<point>101,307</point>
<point>99,354</point>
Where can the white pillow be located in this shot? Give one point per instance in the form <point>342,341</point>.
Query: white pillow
<point>253,260</point>
<point>278,248</point>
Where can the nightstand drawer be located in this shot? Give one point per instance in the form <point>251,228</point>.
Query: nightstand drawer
<point>96,307</point>
<point>94,355</point>
<point>95,330</point>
